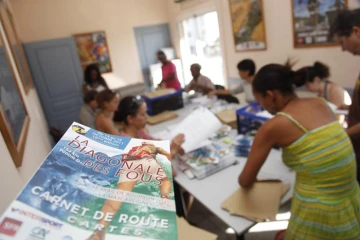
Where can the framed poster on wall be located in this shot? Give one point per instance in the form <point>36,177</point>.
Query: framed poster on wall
<point>248,26</point>
<point>8,23</point>
<point>92,48</point>
<point>311,21</point>
<point>14,118</point>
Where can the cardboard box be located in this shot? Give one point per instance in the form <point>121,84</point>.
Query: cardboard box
<point>162,117</point>
<point>228,117</point>
<point>259,203</point>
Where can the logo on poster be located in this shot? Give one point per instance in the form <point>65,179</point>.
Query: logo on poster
<point>36,217</point>
<point>78,129</point>
<point>38,233</point>
<point>10,226</point>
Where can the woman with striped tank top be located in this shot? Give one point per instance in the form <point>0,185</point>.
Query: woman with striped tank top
<point>326,200</point>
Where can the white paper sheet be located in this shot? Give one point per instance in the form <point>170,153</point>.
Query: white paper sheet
<point>203,100</point>
<point>344,112</point>
<point>197,127</point>
<point>265,114</point>
<point>332,106</point>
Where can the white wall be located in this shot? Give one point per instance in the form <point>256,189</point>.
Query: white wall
<point>278,23</point>
<point>36,148</point>
<point>48,19</point>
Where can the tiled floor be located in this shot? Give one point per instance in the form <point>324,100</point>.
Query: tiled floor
<point>203,218</point>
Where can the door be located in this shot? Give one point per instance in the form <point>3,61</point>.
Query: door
<point>149,40</point>
<point>57,74</point>
<point>200,43</point>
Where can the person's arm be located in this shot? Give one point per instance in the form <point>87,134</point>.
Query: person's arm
<point>85,89</point>
<point>103,82</point>
<point>163,152</point>
<point>263,142</point>
<point>170,78</point>
<point>205,89</point>
<point>336,95</point>
<point>190,86</point>
<point>218,92</point>
<point>344,107</point>
<point>354,131</point>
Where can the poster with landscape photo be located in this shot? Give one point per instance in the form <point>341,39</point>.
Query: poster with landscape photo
<point>247,19</point>
<point>312,19</point>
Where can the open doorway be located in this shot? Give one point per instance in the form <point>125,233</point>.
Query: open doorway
<point>200,43</point>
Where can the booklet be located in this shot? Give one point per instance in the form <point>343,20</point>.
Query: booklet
<point>94,186</point>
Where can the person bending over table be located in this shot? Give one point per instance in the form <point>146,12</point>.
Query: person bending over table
<point>169,75</point>
<point>247,71</point>
<point>316,80</point>
<point>326,200</point>
<point>200,83</point>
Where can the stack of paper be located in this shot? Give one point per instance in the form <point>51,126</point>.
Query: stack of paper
<point>203,101</point>
<point>208,160</point>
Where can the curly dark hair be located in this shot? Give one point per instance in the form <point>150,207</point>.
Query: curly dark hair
<point>99,78</point>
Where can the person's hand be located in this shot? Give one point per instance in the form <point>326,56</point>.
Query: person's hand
<point>173,172</point>
<point>212,93</point>
<point>181,151</point>
<point>176,142</point>
<point>178,139</point>
<point>343,107</point>
<point>161,84</point>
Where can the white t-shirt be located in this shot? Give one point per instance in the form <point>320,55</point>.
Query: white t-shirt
<point>99,88</point>
<point>247,89</point>
<point>201,80</point>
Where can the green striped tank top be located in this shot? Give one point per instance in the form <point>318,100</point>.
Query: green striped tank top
<point>326,201</point>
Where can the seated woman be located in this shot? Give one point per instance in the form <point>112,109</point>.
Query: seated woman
<point>316,80</point>
<point>93,79</point>
<point>132,112</point>
<point>246,69</point>
<point>108,102</point>
<point>326,199</point>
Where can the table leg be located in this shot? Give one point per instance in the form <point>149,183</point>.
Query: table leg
<point>240,237</point>
<point>179,201</point>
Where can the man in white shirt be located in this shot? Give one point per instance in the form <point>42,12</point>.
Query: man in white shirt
<point>200,83</point>
<point>246,70</point>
